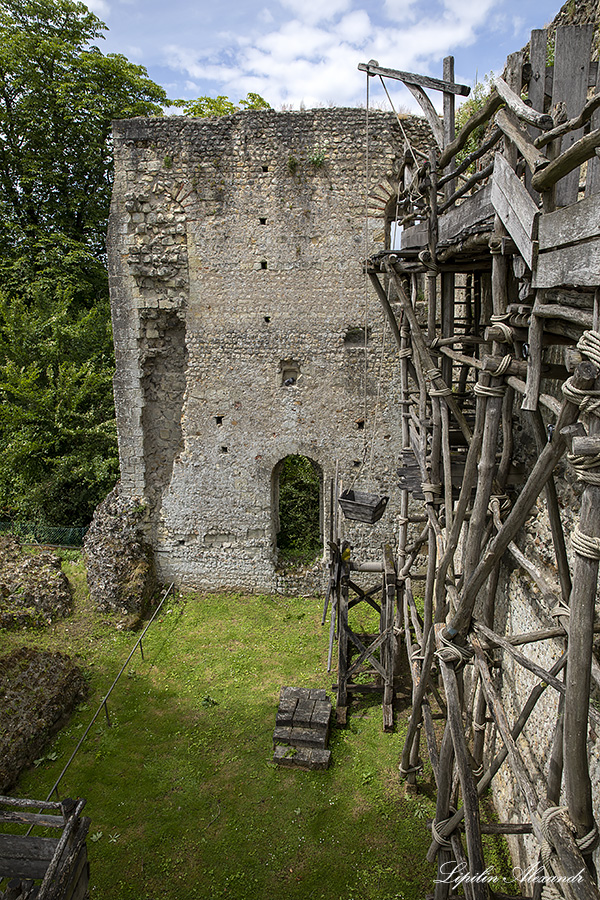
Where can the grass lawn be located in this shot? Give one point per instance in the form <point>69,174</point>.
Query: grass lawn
<point>183,798</point>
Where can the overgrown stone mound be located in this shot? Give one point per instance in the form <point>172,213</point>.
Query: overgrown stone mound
<point>39,690</point>
<point>119,561</point>
<point>33,589</point>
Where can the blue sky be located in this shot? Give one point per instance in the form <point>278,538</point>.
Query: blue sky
<point>295,52</point>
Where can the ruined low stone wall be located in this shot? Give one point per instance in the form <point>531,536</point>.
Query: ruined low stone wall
<point>39,690</point>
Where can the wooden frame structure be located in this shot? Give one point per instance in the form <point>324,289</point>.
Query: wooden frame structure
<point>61,863</point>
<point>509,259</point>
<point>365,662</point>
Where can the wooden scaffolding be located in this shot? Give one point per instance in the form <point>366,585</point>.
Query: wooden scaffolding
<point>504,242</point>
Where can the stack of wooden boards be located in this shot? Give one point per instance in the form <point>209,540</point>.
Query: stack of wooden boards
<point>302,729</point>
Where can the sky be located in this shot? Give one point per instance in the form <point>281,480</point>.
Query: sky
<point>305,53</point>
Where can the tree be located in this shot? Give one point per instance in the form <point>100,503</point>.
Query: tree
<point>58,97</point>
<point>56,410</point>
<point>204,107</point>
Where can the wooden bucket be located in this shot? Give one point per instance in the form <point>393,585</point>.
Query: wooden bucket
<point>362,507</point>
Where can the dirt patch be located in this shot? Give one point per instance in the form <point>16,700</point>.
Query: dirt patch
<point>38,691</point>
<point>33,589</point>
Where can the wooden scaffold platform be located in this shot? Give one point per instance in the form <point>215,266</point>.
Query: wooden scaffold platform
<point>504,241</point>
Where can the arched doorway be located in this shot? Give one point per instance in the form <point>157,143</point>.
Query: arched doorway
<point>297,493</point>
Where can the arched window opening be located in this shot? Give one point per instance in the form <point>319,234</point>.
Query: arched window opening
<point>297,495</point>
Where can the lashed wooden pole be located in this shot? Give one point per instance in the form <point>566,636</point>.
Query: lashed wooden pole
<point>583,379</point>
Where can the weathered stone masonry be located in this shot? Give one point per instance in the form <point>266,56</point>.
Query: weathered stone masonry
<point>236,249</point>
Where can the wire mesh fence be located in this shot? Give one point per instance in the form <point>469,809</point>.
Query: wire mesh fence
<point>36,533</point>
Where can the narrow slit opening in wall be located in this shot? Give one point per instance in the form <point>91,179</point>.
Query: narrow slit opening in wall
<point>224,449</point>
<point>265,168</point>
<point>263,264</point>
<point>360,424</point>
<point>298,488</point>
<point>267,319</point>
<point>219,420</point>
<point>262,220</point>
<point>290,372</point>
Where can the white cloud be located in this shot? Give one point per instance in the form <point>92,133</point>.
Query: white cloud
<point>266,16</point>
<point>134,53</point>
<point>99,7</point>
<point>400,10</point>
<point>355,26</point>
<point>314,11</point>
<point>313,56</point>
<point>518,24</point>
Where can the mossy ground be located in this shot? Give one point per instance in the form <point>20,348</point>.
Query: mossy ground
<point>183,798</point>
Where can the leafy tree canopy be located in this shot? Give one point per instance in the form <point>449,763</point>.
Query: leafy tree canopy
<point>57,423</point>
<point>58,96</point>
<point>204,107</point>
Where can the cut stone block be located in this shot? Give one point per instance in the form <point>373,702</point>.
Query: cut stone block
<point>303,713</point>
<point>318,694</point>
<point>300,737</point>
<point>321,715</point>
<point>285,712</point>
<point>302,757</point>
<point>294,693</point>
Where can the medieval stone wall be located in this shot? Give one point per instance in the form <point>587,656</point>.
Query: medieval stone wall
<point>236,249</point>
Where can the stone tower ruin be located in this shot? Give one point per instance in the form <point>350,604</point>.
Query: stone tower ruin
<point>244,331</point>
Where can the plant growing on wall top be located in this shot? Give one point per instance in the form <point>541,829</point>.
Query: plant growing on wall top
<point>205,107</point>
<point>466,110</point>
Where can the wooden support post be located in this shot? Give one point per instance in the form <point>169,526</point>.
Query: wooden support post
<point>431,305</point>
<point>343,643</point>
<point>578,786</point>
<point>387,655</point>
<point>485,476</point>
<point>449,116</point>
<point>467,782</point>
<point>558,535</point>
<point>583,378</point>
<point>442,811</point>
<point>534,365</point>
<point>448,324</point>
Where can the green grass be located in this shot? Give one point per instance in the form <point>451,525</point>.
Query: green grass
<point>183,798</point>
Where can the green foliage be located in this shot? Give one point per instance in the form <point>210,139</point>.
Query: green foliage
<point>57,424</point>
<point>58,97</point>
<point>299,510</point>
<point>472,105</point>
<point>254,101</point>
<point>317,156</point>
<point>204,107</point>
<point>292,164</point>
